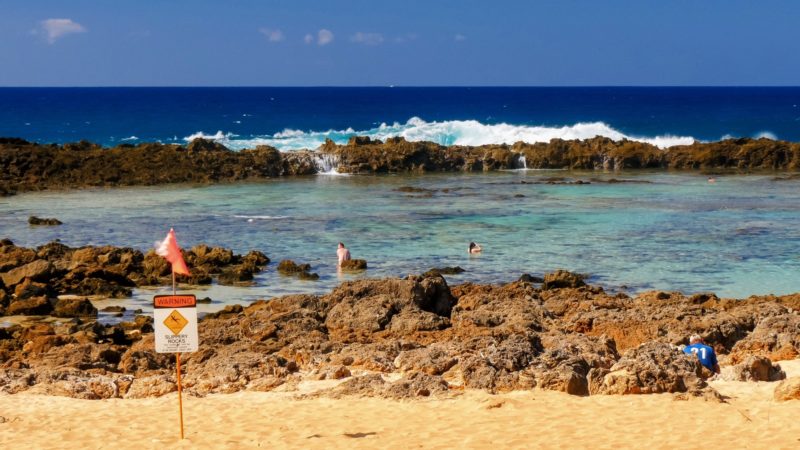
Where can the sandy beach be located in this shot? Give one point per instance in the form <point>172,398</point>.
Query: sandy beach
<point>476,419</point>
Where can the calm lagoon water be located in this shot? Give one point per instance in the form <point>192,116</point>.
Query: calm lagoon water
<point>673,231</point>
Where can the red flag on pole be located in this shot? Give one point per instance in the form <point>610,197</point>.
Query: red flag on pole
<point>169,249</point>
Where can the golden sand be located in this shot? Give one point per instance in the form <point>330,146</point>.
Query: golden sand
<point>538,419</point>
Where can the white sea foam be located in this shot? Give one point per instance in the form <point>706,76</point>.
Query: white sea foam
<point>261,217</point>
<point>130,138</point>
<point>766,134</point>
<point>219,136</point>
<point>451,132</point>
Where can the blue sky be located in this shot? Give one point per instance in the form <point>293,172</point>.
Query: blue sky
<point>378,43</point>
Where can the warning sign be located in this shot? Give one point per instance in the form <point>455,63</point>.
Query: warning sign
<point>175,323</point>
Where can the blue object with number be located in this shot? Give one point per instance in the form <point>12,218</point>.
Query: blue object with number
<point>704,353</point>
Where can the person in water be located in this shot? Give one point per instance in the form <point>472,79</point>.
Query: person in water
<point>705,354</point>
<point>343,253</point>
<point>474,248</point>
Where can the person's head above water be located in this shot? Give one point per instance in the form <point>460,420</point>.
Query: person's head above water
<point>341,245</point>
<point>472,245</point>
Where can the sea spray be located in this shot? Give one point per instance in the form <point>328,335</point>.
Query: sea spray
<point>451,132</point>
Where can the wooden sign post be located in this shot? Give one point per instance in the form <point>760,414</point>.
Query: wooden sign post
<point>175,327</point>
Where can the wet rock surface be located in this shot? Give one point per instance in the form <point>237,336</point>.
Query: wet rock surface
<point>301,271</point>
<point>32,279</point>
<point>30,166</point>
<point>411,337</point>
<point>443,271</point>
<point>353,265</point>
<point>33,220</point>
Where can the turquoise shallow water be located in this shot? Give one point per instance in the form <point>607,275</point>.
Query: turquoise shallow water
<point>674,231</point>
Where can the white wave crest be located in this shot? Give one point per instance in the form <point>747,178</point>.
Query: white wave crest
<point>766,134</point>
<point>219,136</point>
<point>451,132</point>
<point>261,217</point>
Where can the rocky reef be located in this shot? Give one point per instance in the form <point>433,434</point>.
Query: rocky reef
<point>32,279</point>
<point>28,166</point>
<point>417,336</point>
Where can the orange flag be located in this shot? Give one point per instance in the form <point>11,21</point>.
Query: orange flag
<point>169,249</point>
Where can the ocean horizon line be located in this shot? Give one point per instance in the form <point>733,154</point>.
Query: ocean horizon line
<point>416,86</point>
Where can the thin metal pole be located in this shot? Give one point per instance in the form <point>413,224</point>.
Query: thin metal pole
<point>178,361</point>
<point>180,397</point>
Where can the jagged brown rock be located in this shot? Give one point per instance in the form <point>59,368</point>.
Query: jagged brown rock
<point>755,368</point>
<point>407,337</point>
<point>28,166</point>
<point>302,271</point>
<point>55,269</point>
<point>33,220</point>
<point>651,368</point>
<point>354,264</point>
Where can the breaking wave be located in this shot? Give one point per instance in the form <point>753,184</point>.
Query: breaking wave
<point>451,132</point>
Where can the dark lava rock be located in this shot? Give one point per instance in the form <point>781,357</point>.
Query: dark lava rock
<point>436,271</point>
<point>74,308</point>
<point>354,264</point>
<point>34,306</point>
<point>33,220</point>
<point>234,276</point>
<point>289,267</point>
<point>562,279</point>
<point>31,166</point>
<point>28,289</point>
<point>39,270</point>
<point>226,312</point>
<point>528,278</point>
<point>426,335</point>
<point>413,189</point>
<point>308,276</point>
<point>302,271</point>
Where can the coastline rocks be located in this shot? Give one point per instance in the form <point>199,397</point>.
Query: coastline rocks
<point>354,265</point>
<point>74,308</point>
<point>33,306</point>
<point>28,289</point>
<point>788,389</point>
<point>364,307</point>
<point>651,368</point>
<point>437,271</point>
<point>373,385</point>
<point>528,278</point>
<point>302,271</point>
<point>33,220</point>
<point>56,269</point>
<point>562,279</point>
<point>38,270</point>
<point>755,368</point>
<point>776,337</point>
<point>433,339</point>
<point>31,167</point>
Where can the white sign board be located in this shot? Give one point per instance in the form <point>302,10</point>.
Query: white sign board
<point>175,323</point>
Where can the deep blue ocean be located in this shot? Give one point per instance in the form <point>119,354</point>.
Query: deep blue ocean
<point>293,118</point>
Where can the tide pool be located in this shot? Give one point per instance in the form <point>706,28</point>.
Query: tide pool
<point>658,230</point>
